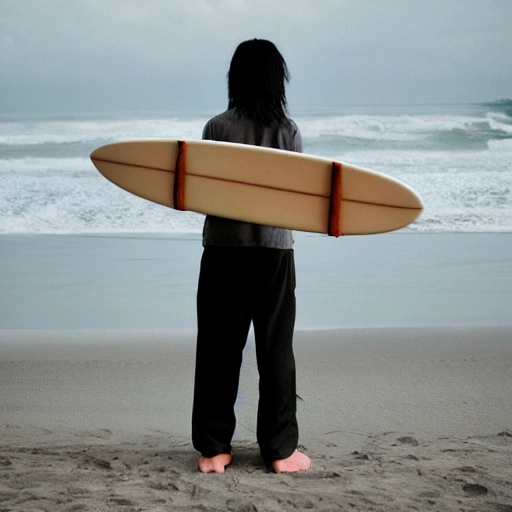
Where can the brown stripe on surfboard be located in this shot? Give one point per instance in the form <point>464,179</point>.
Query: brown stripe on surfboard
<point>334,227</point>
<point>179,176</point>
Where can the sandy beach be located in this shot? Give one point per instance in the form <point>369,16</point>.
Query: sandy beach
<point>412,413</point>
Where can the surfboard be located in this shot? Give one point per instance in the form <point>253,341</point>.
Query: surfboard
<point>260,185</point>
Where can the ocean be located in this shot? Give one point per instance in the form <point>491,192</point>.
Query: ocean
<point>457,157</point>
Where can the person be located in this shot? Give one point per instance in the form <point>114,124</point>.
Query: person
<point>247,274</point>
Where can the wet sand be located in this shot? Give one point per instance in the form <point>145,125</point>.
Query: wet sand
<point>403,348</point>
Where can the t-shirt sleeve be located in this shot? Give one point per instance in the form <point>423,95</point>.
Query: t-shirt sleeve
<point>207,131</point>
<point>296,143</point>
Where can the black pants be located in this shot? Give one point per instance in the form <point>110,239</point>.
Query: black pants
<point>238,285</point>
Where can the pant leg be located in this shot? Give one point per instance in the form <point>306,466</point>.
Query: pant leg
<point>223,326</point>
<point>274,320</point>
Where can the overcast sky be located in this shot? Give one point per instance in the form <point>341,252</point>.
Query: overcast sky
<point>91,55</point>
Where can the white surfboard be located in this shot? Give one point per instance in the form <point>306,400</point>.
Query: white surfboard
<point>260,185</point>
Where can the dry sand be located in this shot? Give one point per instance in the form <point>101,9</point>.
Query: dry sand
<point>393,420</point>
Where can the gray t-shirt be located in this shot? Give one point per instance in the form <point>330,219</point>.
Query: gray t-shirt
<point>231,127</point>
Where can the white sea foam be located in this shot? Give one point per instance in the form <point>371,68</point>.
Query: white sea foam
<point>51,195</point>
<point>403,127</point>
<point>36,166</point>
<point>500,122</point>
<point>71,132</point>
<point>500,145</point>
<point>459,162</point>
<point>90,204</point>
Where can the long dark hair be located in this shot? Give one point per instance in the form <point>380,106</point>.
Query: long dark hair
<point>256,81</point>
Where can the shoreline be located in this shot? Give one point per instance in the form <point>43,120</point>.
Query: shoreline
<point>149,282</point>
<point>196,235</point>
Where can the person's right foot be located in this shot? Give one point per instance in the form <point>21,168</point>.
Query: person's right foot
<point>297,461</point>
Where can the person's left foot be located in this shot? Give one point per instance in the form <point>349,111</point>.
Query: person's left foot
<point>216,464</point>
<point>297,461</point>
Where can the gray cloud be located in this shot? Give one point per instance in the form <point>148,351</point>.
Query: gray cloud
<point>97,54</point>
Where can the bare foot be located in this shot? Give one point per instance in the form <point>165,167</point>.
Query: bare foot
<point>216,464</point>
<point>297,461</point>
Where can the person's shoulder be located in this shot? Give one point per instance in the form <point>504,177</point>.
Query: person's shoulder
<point>291,133</point>
<point>211,127</point>
<point>216,126</point>
<point>292,125</point>
<point>286,126</point>
<point>222,118</point>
